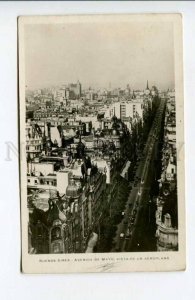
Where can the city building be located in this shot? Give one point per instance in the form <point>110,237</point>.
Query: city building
<point>166,214</point>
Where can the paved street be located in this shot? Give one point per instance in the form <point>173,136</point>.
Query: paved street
<point>136,209</point>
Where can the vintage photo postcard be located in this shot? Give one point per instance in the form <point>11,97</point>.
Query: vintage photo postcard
<point>101,143</point>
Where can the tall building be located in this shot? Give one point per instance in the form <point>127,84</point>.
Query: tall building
<point>74,90</point>
<point>125,109</point>
<point>34,140</point>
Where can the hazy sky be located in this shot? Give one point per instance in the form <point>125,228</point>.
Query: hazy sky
<point>98,54</point>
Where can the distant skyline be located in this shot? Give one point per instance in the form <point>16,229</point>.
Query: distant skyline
<point>100,54</point>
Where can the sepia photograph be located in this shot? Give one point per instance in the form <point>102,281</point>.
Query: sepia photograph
<point>101,143</point>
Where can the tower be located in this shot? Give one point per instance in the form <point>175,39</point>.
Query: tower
<point>147,91</point>
<point>147,87</point>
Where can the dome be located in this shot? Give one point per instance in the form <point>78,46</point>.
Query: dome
<point>168,216</point>
<point>72,190</point>
<point>120,125</point>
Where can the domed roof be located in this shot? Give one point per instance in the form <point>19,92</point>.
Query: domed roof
<point>168,216</point>
<point>120,124</point>
<point>72,190</point>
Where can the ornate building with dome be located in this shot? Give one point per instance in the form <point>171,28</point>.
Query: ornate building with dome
<point>72,217</point>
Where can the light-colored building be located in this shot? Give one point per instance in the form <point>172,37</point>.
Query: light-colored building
<point>125,109</point>
<point>34,142</point>
<point>55,136</point>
